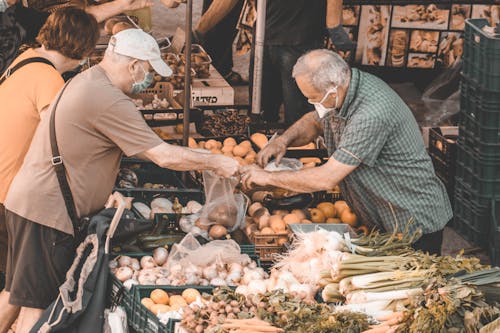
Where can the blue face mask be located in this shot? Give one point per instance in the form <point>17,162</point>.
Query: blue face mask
<point>137,87</point>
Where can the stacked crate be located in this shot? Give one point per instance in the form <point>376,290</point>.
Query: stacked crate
<point>477,187</point>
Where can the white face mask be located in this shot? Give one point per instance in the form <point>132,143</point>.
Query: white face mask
<point>320,108</point>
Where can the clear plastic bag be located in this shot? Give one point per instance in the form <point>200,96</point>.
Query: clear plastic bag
<point>223,205</point>
<point>442,97</point>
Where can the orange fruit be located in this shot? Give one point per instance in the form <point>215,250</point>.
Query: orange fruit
<point>300,213</point>
<point>291,218</point>
<point>147,302</point>
<point>349,217</point>
<point>317,216</point>
<point>340,206</point>
<point>328,209</point>
<point>159,296</point>
<point>333,220</point>
<point>229,142</point>
<point>159,308</point>
<point>240,150</point>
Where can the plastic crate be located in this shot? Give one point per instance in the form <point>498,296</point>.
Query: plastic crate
<point>120,296</point>
<point>482,105</point>
<point>469,137</point>
<point>443,152</point>
<point>481,55</point>
<point>488,134</point>
<point>494,248</point>
<point>466,192</point>
<point>487,169</point>
<point>144,320</point>
<point>470,221</point>
<point>267,240</point>
<point>268,253</point>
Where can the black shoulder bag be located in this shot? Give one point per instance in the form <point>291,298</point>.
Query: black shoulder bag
<point>22,63</point>
<point>79,224</point>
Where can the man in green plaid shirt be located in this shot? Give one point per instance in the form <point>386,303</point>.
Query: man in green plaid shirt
<point>377,152</point>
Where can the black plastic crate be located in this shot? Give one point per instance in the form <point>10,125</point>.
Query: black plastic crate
<point>481,55</point>
<point>468,136</point>
<point>148,175</point>
<point>482,168</point>
<point>443,153</point>
<point>481,105</point>
<point>465,191</point>
<point>169,117</point>
<point>470,125</point>
<point>494,248</point>
<point>470,221</point>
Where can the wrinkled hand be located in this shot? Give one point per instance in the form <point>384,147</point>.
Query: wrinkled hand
<point>252,174</point>
<point>136,4</point>
<point>225,166</point>
<point>274,148</point>
<point>340,39</point>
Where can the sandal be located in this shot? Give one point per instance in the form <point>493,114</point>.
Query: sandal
<point>235,79</point>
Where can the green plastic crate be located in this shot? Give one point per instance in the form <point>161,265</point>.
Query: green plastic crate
<point>119,295</point>
<point>470,221</point>
<point>487,169</point>
<point>481,55</point>
<point>481,105</point>
<point>494,248</point>
<point>144,320</point>
<point>469,136</point>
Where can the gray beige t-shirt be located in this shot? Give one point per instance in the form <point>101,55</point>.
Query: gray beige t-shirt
<point>95,123</point>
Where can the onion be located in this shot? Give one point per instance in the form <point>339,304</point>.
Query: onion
<point>162,281</point>
<point>143,209</point>
<point>254,207</point>
<point>134,264</point>
<point>210,272</point>
<point>162,203</point>
<point>160,255</point>
<point>243,290</point>
<point>193,206</point>
<point>146,278</point>
<point>257,287</point>
<point>129,283</point>
<point>217,231</point>
<point>124,273</point>
<point>218,282</point>
<point>124,261</point>
<point>113,264</point>
<point>147,262</point>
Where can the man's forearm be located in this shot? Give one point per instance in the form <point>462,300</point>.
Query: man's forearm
<point>106,10</point>
<point>304,131</point>
<point>214,14</point>
<point>181,158</point>
<point>304,181</point>
<point>333,13</point>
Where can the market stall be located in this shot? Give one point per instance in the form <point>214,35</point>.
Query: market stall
<point>212,258</point>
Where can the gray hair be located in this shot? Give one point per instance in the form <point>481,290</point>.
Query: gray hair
<point>323,68</point>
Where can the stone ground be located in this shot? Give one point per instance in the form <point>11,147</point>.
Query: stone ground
<point>166,21</point>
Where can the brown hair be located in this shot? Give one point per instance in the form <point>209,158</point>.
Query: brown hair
<point>71,32</point>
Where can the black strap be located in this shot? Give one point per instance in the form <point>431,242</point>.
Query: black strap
<point>22,63</point>
<point>57,162</point>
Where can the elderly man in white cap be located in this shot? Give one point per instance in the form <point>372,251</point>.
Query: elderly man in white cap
<point>95,123</point>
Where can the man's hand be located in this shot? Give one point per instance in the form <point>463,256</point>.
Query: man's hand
<point>225,166</point>
<point>252,174</point>
<point>276,148</point>
<point>136,4</point>
<point>170,3</point>
<point>340,39</point>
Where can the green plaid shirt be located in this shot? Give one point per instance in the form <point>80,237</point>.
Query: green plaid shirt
<point>395,180</point>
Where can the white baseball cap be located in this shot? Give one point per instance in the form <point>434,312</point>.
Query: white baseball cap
<point>137,44</point>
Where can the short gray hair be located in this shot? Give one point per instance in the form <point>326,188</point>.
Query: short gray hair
<point>116,57</point>
<point>323,68</point>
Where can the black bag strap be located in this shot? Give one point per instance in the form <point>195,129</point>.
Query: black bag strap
<point>22,63</point>
<point>57,162</point>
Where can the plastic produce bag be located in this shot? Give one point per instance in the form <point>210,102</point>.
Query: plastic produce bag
<point>442,97</point>
<point>223,205</point>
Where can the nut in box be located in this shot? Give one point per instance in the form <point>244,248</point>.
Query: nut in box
<point>158,97</point>
<point>178,67</point>
<point>200,61</point>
